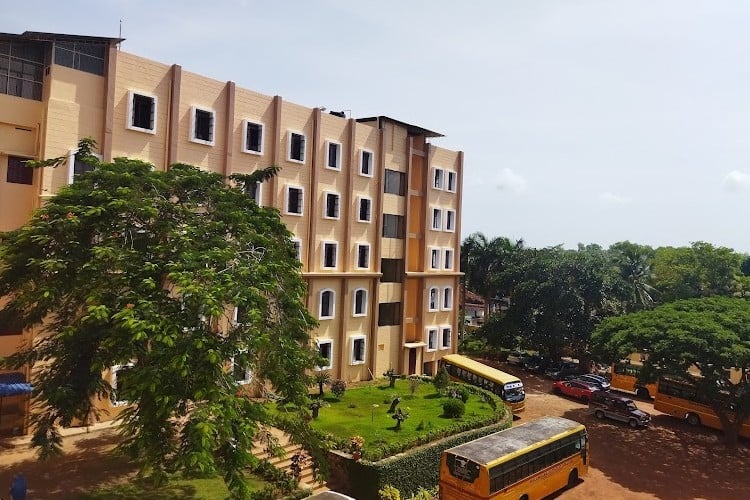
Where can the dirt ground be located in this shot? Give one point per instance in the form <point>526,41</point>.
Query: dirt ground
<point>669,460</point>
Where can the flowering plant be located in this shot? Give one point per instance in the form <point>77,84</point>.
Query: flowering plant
<point>356,443</point>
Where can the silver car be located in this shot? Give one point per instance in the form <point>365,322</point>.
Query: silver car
<point>600,382</point>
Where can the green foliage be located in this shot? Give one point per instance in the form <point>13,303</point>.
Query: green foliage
<point>458,391</point>
<point>338,387</point>
<point>414,383</point>
<point>441,380</point>
<point>454,408</point>
<point>424,494</point>
<point>322,378</point>
<point>388,492</point>
<point>134,266</point>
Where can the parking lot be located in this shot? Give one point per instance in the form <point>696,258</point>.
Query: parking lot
<point>668,460</point>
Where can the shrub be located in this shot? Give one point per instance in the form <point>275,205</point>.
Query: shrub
<point>454,408</point>
<point>414,383</point>
<point>388,492</point>
<point>441,380</point>
<point>458,391</point>
<point>338,387</point>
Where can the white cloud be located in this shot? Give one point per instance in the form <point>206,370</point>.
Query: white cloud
<point>613,199</point>
<point>508,180</point>
<point>737,181</point>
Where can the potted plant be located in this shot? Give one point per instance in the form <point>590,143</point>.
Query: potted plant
<point>355,446</point>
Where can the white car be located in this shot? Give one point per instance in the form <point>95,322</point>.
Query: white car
<point>517,357</point>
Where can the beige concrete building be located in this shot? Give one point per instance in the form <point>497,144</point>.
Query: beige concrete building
<point>375,208</point>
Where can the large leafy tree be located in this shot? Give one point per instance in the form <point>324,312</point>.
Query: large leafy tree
<point>711,335</point>
<point>135,267</point>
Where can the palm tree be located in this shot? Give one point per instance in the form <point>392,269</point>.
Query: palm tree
<point>634,264</point>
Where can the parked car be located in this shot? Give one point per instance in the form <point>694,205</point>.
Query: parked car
<point>536,363</point>
<point>605,404</point>
<point>601,382</point>
<point>517,357</point>
<point>574,389</point>
<point>559,371</point>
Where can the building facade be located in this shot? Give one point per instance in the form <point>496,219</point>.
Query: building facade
<point>374,207</point>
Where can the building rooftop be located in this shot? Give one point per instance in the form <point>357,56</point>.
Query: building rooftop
<point>39,36</point>
<point>411,129</point>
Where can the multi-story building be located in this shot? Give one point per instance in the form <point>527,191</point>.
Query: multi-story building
<point>374,207</point>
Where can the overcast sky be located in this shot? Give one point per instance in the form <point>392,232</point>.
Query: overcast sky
<point>581,121</point>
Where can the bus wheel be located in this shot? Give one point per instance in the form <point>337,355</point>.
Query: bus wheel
<point>524,497</point>
<point>693,419</point>
<point>643,393</point>
<point>599,414</point>
<point>573,478</point>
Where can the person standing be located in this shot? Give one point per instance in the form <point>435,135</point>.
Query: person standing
<point>18,487</point>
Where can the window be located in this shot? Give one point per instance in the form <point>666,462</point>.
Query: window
<point>327,307</point>
<point>432,338</point>
<point>452,178</point>
<point>448,263</point>
<point>363,256</point>
<point>392,269</point>
<point>447,298</point>
<point>296,147</point>
<point>437,218</point>
<point>141,112</point>
<point>333,206</point>
<point>325,352</point>
<point>22,69</point>
<point>202,126</point>
<point>358,350</point>
<point>434,258</point>
<point>365,162</point>
<point>294,200</point>
<point>393,226</point>
<point>240,314</point>
<point>241,373</point>
<point>365,210</point>
<point>329,254</point>
<point>18,172</point>
<point>445,337</point>
<point>333,155</point>
<point>450,220</point>
<point>437,178</point>
<point>83,56</point>
<point>389,314</point>
<point>360,302</point>
<point>253,134</point>
<point>433,299</point>
<point>298,248</point>
<point>395,182</point>
<point>119,383</point>
<point>76,166</point>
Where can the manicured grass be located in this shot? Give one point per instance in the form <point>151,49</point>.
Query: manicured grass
<point>212,488</point>
<point>363,411</point>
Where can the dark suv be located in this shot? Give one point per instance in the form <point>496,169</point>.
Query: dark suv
<point>560,371</point>
<point>605,404</point>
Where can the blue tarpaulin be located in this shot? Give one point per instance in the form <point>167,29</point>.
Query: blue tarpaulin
<point>13,384</point>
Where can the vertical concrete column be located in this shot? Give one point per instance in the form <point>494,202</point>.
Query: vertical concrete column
<point>173,118</point>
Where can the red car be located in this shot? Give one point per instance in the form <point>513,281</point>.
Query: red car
<point>574,389</point>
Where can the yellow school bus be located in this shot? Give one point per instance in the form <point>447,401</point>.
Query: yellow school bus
<point>505,385</point>
<point>526,462</point>
<point>624,376</point>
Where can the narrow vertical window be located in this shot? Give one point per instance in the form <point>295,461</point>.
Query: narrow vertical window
<point>450,220</point>
<point>329,255</point>
<point>358,350</point>
<point>434,258</point>
<point>296,147</point>
<point>433,299</point>
<point>447,298</point>
<point>452,178</point>
<point>333,155</point>
<point>365,210</point>
<point>327,305</point>
<point>437,220</point>
<point>437,179</point>
<point>141,112</point>
<point>448,264</point>
<point>333,206</point>
<point>253,142</point>
<point>363,256</point>
<point>294,200</point>
<point>202,126</point>
<point>360,302</point>
<point>365,163</point>
<point>446,337</point>
<point>432,339</point>
<point>325,353</point>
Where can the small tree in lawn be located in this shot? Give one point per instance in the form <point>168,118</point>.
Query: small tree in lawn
<point>338,387</point>
<point>441,380</point>
<point>392,377</point>
<point>399,416</point>
<point>322,378</point>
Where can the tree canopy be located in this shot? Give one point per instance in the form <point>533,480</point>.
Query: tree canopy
<point>710,335</point>
<point>129,266</point>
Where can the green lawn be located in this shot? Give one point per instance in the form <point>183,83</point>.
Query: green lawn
<point>363,411</point>
<point>199,489</point>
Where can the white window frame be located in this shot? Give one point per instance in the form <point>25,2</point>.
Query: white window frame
<point>298,245</point>
<point>258,199</point>
<point>433,291</point>
<point>323,245</point>
<point>212,133</point>
<point>353,361</point>
<point>434,258</point>
<point>449,256</point>
<point>245,127</point>
<point>366,245</point>
<point>441,334</point>
<point>360,199</point>
<point>286,200</point>
<point>339,155</point>
<point>291,133</point>
<point>361,162</point>
<point>332,308</point>
<point>438,178</point>
<point>113,383</point>
<point>436,224</point>
<point>72,163</point>
<point>129,125</point>
<point>451,228</point>
<point>431,332</point>
<point>451,186</point>
<point>320,342</point>
<point>248,373</point>
<point>447,296</point>
<point>235,315</point>
<point>337,216</point>
<point>364,303</point>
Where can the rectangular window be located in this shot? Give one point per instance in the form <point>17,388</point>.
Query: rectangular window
<point>437,178</point>
<point>333,155</point>
<point>18,172</point>
<point>332,206</point>
<point>202,126</point>
<point>119,384</point>
<point>394,226</point>
<point>434,258</point>
<point>434,299</point>
<point>298,249</point>
<point>432,339</point>
<point>364,214</point>
<point>437,219</point>
<point>77,166</point>
<point>253,133</point>
<point>445,341</point>
<point>365,163</point>
<point>325,352</point>
<point>450,220</point>
<point>363,256</point>
<point>327,304</point>
<point>452,178</point>
<point>394,182</point>
<point>393,270</point>
<point>83,56</point>
<point>448,263</point>
<point>241,373</point>
<point>141,112</point>
<point>389,314</point>
<point>329,254</point>
<point>294,200</point>
<point>296,147</point>
<point>447,298</point>
<point>358,350</point>
<point>22,69</point>
<point>360,302</point>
